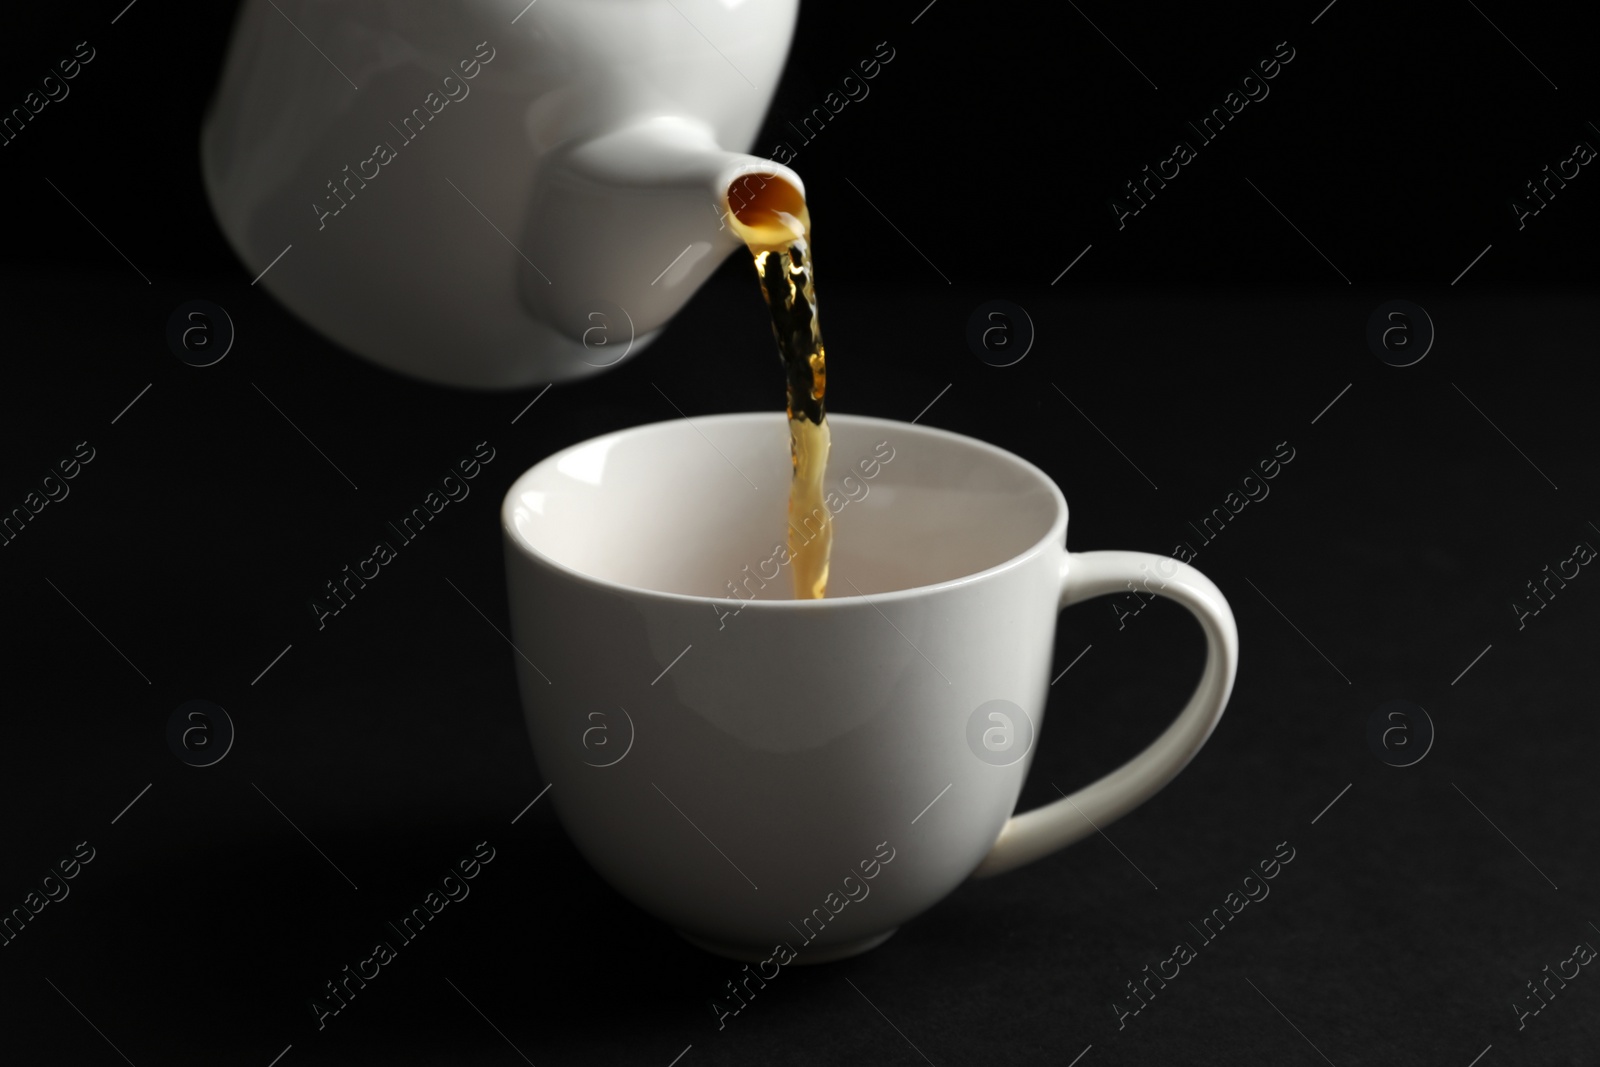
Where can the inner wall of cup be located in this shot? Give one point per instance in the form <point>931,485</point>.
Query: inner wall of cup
<point>702,508</point>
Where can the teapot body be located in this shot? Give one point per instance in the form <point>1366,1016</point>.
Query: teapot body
<point>399,174</point>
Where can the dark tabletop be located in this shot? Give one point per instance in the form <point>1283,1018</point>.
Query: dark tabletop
<point>1386,565</point>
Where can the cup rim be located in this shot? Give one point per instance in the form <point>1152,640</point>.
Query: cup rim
<point>1055,535</point>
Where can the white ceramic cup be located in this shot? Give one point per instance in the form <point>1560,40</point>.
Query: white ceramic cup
<point>740,768</point>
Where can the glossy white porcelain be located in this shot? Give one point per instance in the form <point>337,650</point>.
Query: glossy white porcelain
<point>726,763</point>
<point>552,188</point>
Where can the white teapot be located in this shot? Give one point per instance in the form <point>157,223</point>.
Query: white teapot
<point>490,193</point>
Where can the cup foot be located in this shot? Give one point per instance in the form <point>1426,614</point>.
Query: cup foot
<point>803,955</point>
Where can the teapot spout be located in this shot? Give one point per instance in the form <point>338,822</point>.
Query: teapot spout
<point>633,221</point>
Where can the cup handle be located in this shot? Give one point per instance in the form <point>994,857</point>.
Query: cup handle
<point>1026,837</point>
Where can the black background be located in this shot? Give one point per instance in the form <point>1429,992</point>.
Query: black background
<point>1196,338</point>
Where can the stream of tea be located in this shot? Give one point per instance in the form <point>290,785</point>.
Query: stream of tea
<point>774,224</point>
